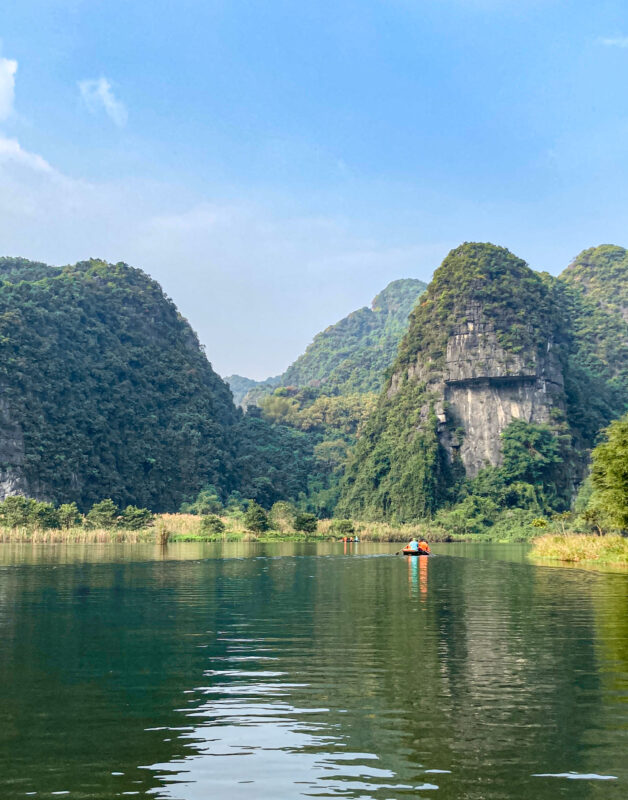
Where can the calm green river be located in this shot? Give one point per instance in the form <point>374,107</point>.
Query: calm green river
<point>254,672</point>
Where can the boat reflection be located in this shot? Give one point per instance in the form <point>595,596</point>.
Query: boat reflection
<point>417,575</point>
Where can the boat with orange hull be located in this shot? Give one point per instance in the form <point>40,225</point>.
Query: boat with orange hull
<point>407,552</point>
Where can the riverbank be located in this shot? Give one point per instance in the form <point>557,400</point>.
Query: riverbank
<point>188,528</point>
<point>579,547</point>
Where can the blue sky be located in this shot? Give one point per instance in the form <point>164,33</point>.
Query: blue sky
<point>275,163</point>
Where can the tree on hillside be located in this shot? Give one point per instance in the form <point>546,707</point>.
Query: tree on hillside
<point>530,451</point>
<point>69,515</point>
<point>610,475</point>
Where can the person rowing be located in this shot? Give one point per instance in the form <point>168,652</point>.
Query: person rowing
<point>419,547</point>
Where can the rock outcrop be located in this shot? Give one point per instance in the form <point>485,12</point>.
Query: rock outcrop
<point>12,475</point>
<point>486,387</point>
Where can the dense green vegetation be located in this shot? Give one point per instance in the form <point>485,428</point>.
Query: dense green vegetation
<point>327,426</point>
<point>607,506</point>
<point>273,461</point>
<point>110,388</point>
<point>508,501</point>
<point>17,511</point>
<point>594,294</point>
<point>400,469</point>
<point>600,273</point>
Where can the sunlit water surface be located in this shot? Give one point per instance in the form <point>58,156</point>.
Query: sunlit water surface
<point>328,671</point>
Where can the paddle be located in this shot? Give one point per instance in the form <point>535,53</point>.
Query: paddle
<point>423,553</point>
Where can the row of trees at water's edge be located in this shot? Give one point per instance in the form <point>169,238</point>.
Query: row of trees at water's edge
<point>17,511</point>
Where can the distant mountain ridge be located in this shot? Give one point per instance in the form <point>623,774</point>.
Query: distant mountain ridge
<point>241,386</point>
<point>353,354</point>
<point>600,273</point>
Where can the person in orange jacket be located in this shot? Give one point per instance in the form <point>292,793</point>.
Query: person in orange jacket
<point>423,545</point>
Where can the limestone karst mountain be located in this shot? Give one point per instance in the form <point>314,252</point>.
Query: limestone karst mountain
<point>490,343</point>
<point>105,392</point>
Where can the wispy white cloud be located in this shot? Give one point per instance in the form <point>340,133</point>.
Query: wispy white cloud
<point>8,68</point>
<point>12,152</point>
<point>613,41</point>
<point>98,95</point>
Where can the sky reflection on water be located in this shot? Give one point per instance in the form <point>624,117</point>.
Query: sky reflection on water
<point>312,675</point>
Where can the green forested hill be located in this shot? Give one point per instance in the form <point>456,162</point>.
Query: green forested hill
<point>105,389</point>
<point>353,355</point>
<point>601,274</point>
<point>595,298</point>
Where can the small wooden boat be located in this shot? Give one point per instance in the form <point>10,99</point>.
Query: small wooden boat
<point>407,552</point>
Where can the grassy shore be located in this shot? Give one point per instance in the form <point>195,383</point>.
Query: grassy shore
<point>187,528</point>
<point>579,547</point>
<point>77,536</point>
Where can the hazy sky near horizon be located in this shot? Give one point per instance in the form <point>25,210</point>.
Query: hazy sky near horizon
<point>275,164</point>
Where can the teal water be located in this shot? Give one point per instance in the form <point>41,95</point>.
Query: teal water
<point>292,671</point>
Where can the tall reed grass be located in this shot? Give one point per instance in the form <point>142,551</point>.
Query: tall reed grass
<point>575,547</point>
<point>187,527</point>
<point>75,535</point>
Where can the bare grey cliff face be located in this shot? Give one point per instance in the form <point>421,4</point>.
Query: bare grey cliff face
<point>487,387</point>
<point>12,476</point>
<point>484,387</point>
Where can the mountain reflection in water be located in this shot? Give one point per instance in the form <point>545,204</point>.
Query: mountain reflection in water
<point>299,671</point>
